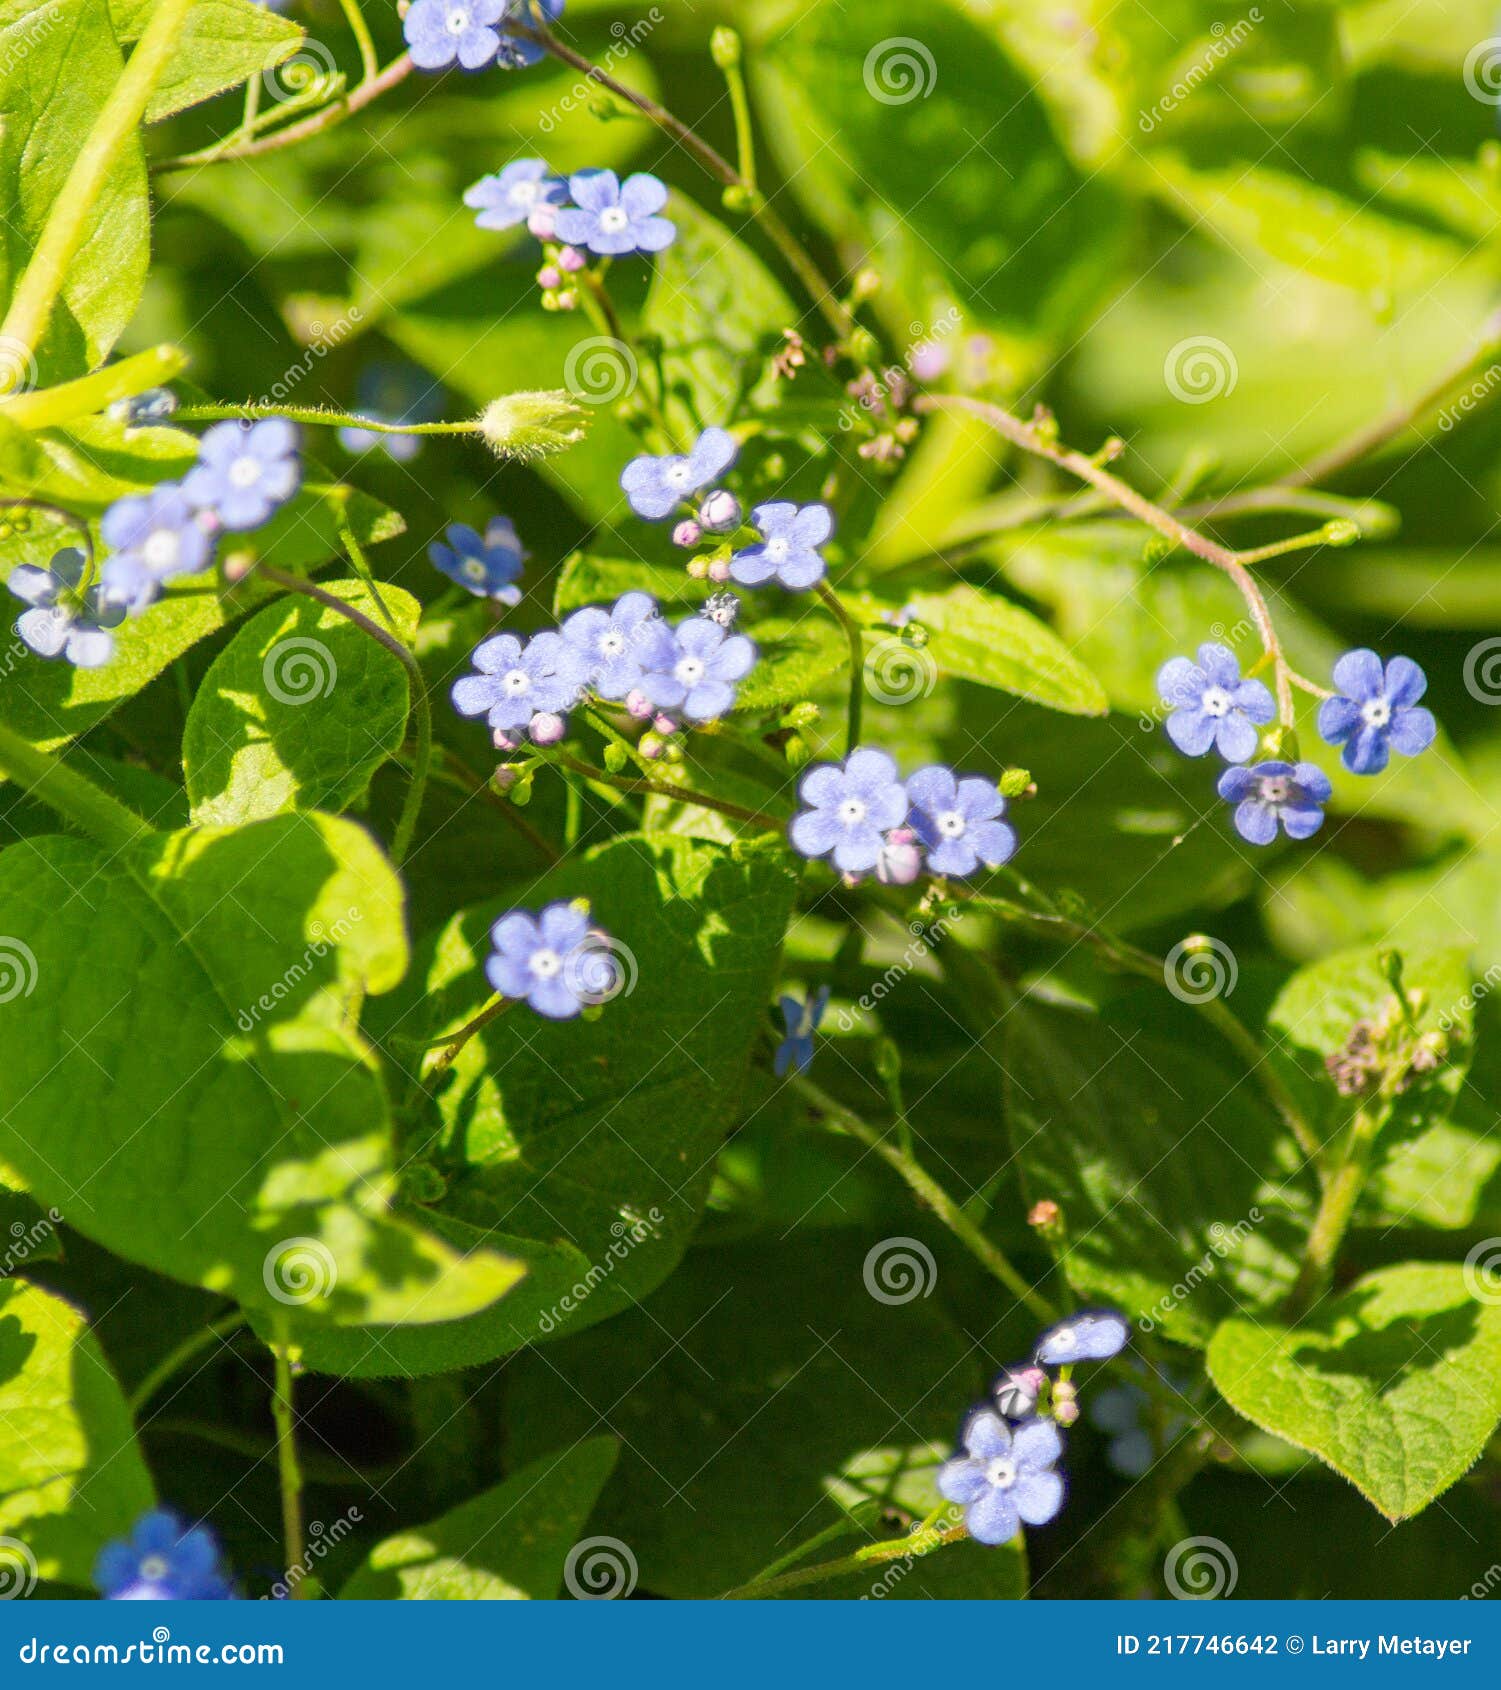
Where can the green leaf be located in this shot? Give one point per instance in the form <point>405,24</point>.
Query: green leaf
<point>585,579</point>
<point>227,1081</point>
<point>58,65</point>
<point>225,43</point>
<point>71,1473</point>
<point>761,1395</point>
<point>253,747</point>
<point>978,636</point>
<point>1182,1194</point>
<point>506,1544</point>
<point>586,1149</point>
<point>1396,1383</point>
<point>799,658</point>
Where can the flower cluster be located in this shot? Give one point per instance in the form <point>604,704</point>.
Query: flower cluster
<point>473,33</point>
<point>1373,710</point>
<point>555,960</point>
<point>244,473</point>
<point>865,817</point>
<point>1003,1475</point>
<point>163,1561</point>
<point>625,653</point>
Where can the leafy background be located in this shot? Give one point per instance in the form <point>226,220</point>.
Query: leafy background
<point>1105,207</point>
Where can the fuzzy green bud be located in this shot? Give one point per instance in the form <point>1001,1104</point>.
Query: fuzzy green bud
<point>1016,783</point>
<point>523,426</point>
<point>724,47</point>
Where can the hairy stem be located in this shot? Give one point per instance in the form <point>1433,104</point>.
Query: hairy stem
<point>453,1043</point>
<point>855,635</point>
<point>317,416</point>
<point>179,1357</point>
<point>71,794</point>
<point>625,783</point>
<point>1335,1212</point>
<point>288,1470</point>
<point>369,63</point>
<point>923,1541</point>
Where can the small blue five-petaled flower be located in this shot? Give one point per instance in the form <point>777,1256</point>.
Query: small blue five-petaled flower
<point>614,642</point>
<point>1375,710</point>
<point>1265,794</point>
<point>516,682</point>
<point>162,1560</point>
<point>788,549</point>
<point>511,195</point>
<point>693,669</point>
<point>1212,705</point>
<point>63,619</point>
<point>1005,1476</point>
<point>801,1021</point>
<point>487,564</point>
<point>958,821</point>
<point>655,486</point>
<point>555,960</point>
<point>851,808</point>
<point>244,472</point>
<point>440,32</point>
<point>611,218</point>
<point>154,536</point>
<point>1095,1335</point>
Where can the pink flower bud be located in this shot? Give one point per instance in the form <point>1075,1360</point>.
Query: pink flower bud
<point>719,569</point>
<point>546,728</point>
<point>664,725</point>
<point>543,221</point>
<point>900,861</point>
<point>649,745</point>
<point>571,260</point>
<point>549,277</point>
<point>687,533</point>
<point>720,512</point>
<point>639,705</point>
<point>568,300</point>
<point>504,741</point>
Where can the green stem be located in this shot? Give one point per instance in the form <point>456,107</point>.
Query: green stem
<point>369,61</point>
<point>67,224</point>
<point>82,398</point>
<point>422,714</point>
<point>175,1360</point>
<point>727,55</point>
<point>288,1469</point>
<point>69,793</point>
<point>928,1191</point>
<point>1335,1212</point>
<point>856,638</point>
<point>687,794</point>
<point>316,416</point>
<point>923,1541</point>
<point>453,1043</point>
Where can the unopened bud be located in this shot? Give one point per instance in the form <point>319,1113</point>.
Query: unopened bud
<point>523,426</point>
<point>687,533</point>
<point>719,569</point>
<point>1016,783</point>
<point>720,512</point>
<point>546,728</point>
<point>549,277</point>
<point>724,47</point>
<point>504,741</point>
<point>568,300</point>
<point>651,746</point>
<point>899,861</point>
<point>571,260</point>
<point>543,221</point>
<point>1015,1390</point>
<point>1342,532</point>
<point>638,705</point>
<point>1045,1216</point>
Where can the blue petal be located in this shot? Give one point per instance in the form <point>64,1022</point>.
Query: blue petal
<point>992,1518</point>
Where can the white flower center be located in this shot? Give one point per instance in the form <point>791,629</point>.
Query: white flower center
<point>545,963</point>
<point>950,824</point>
<point>474,570</point>
<point>516,682</point>
<point>1216,701</point>
<point>689,670</point>
<point>525,193</point>
<point>245,471</point>
<point>614,219</point>
<point>154,1568</point>
<point>852,812</point>
<point>611,643</point>
<point>1376,712</point>
<point>777,550</point>
<point>457,20</point>
<point>161,548</point>
<point>678,474</point>
<point>1276,789</point>
<point>1001,1472</point>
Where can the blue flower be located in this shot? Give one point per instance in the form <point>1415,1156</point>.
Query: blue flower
<point>614,642</point>
<point>162,1560</point>
<point>1212,705</point>
<point>438,32</point>
<point>244,473</point>
<point>693,669</point>
<point>154,537</point>
<point>851,808</point>
<point>1094,1336</point>
<point>655,486</point>
<point>957,820</point>
<point>486,565</point>
<point>511,196</point>
<point>1004,1477</point>
<point>514,52</point>
<point>801,1021</point>
<point>1376,710</point>
<point>550,959</point>
<point>612,219</point>
<point>1265,794</point>
<point>517,682</point>
<point>788,552</point>
<point>63,620</point>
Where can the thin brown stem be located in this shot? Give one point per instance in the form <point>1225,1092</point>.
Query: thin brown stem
<point>687,794</point>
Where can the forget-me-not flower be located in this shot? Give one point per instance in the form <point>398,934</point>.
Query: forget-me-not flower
<point>1266,794</point>
<point>552,960</point>
<point>1212,705</point>
<point>801,1021</point>
<point>1376,710</point>
<point>1093,1336</point>
<point>611,218</point>
<point>613,642</point>
<point>511,195</point>
<point>958,821</point>
<point>62,620</point>
<point>655,486</point>
<point>442,32</point>
<point>851,807</point>
<point>162,1560</point>
<point>516,682</point>
<point>487,565</point>
<point>788,549</point>
<point>244,473</point>
<point>693,669</point>
<point>1005,1476</point>
<point>154,537</point>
